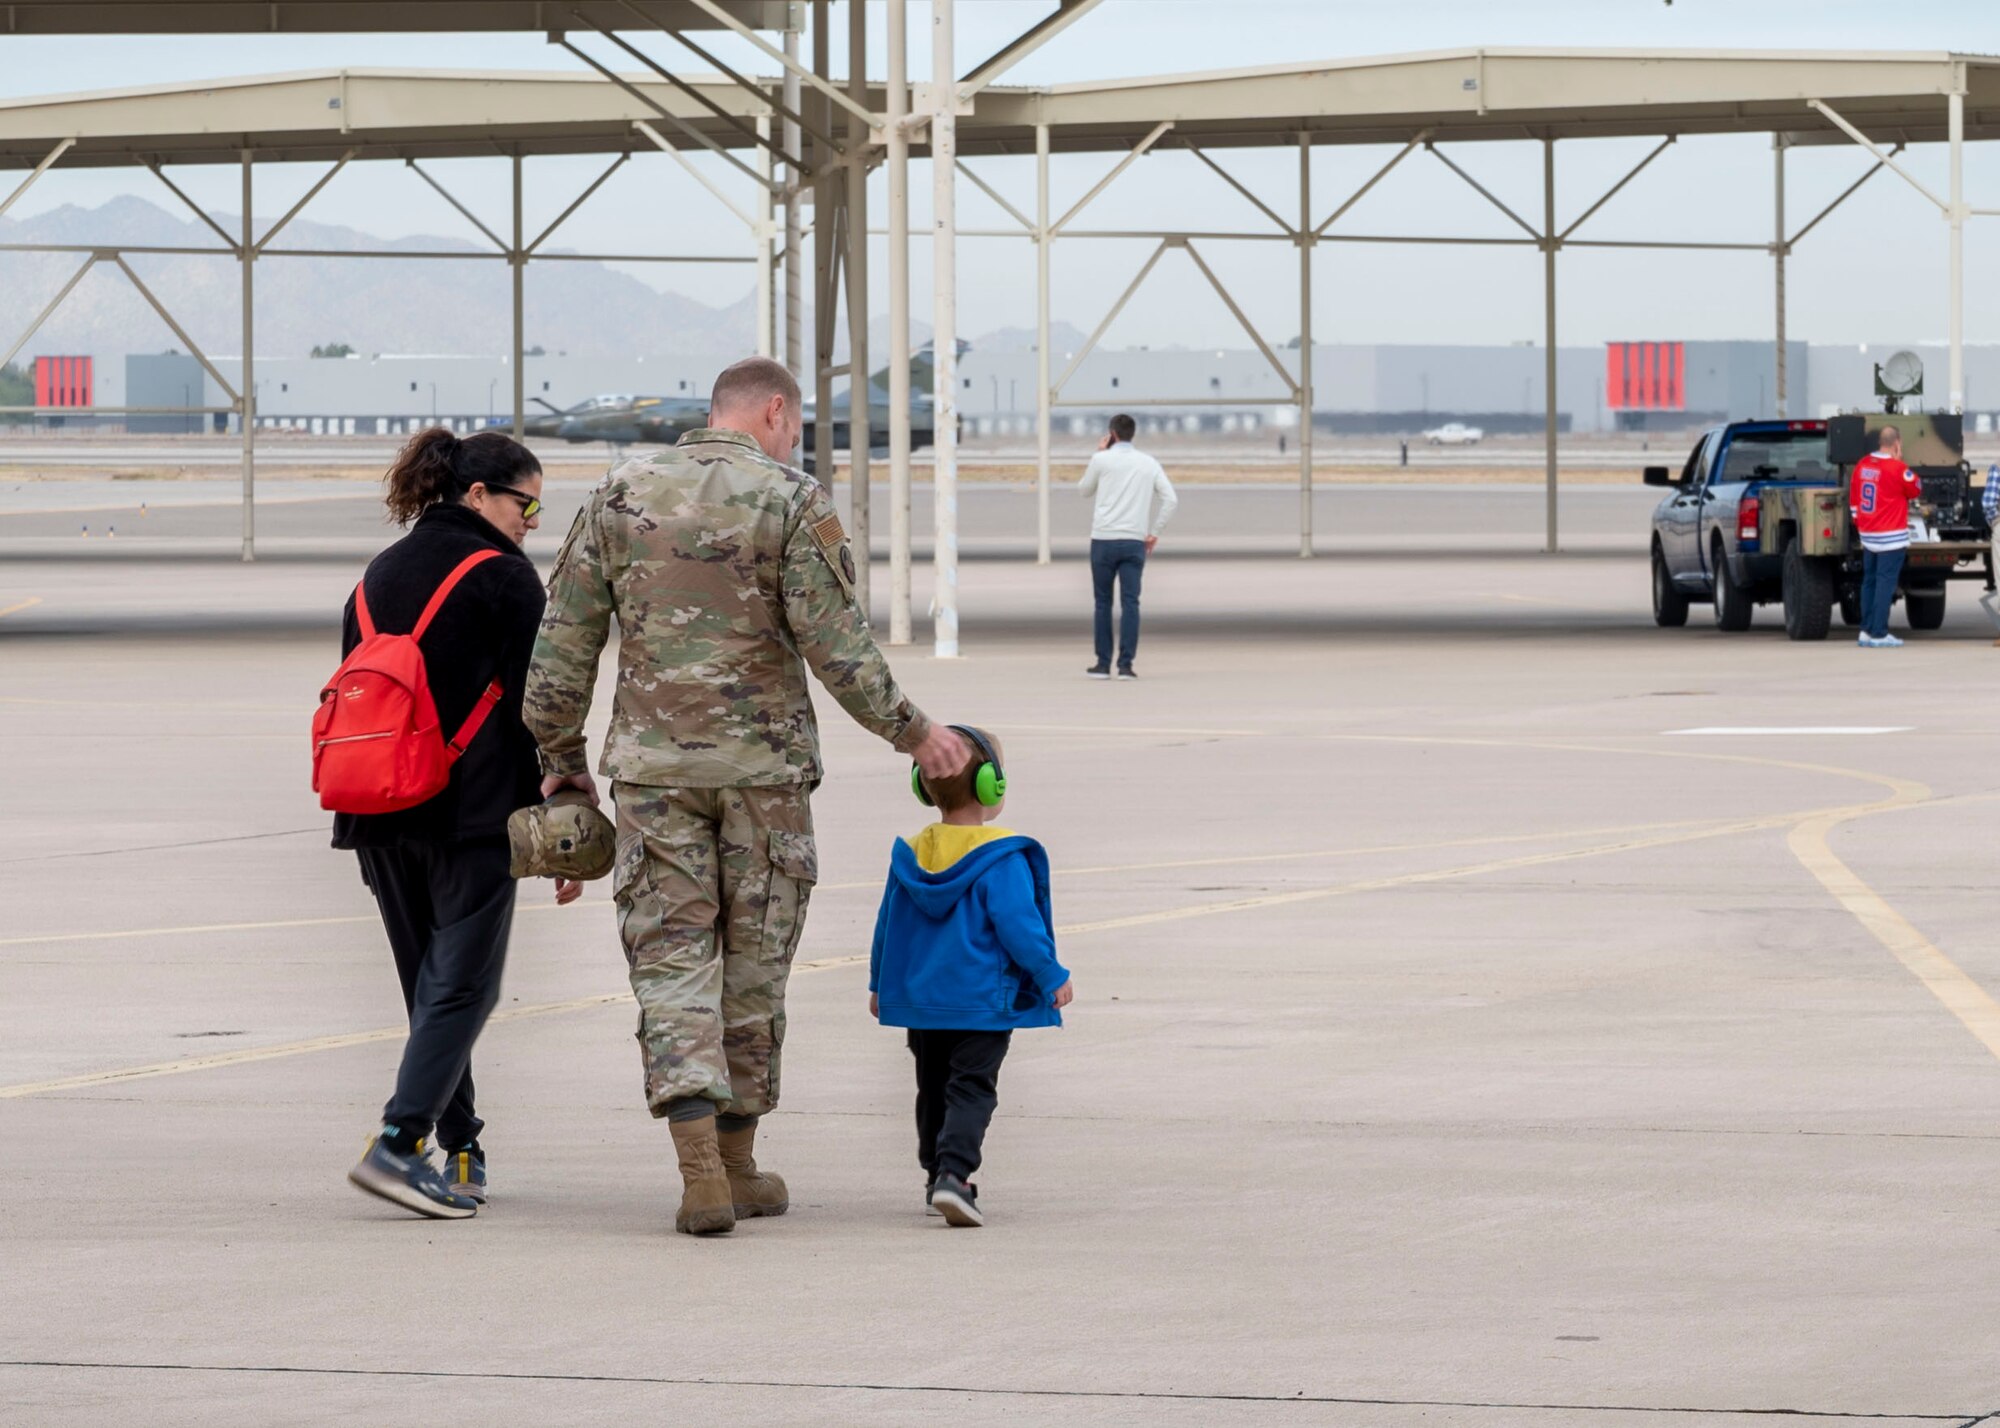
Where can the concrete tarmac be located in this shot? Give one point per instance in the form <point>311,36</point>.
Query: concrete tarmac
<point>1492,1011</point>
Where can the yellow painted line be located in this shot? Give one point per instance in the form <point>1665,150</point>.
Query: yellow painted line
<point>128,934</point>
<point>251,1054</point>
<point>1964,998</point>
<point>193,705</point>
<point>819,965</point>
<point>1119,730</point>
<point>1946,980</point>
<point>178,931</point>
<point>27,604</point>
<point>1501,865</point>
<point>1367,850</point>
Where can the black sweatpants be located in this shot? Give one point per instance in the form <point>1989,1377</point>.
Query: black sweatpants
<point>448,908</point>
<point>958,1088</point>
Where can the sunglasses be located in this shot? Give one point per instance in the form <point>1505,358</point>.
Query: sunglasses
<point>531,506</point>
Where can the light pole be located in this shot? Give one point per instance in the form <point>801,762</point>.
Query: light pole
<point>489,399</point>
<point>434,403</point>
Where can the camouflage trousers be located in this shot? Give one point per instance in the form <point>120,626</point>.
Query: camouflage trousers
<point>711,886</point>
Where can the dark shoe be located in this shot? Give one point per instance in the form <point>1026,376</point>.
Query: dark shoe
<point>1125,671</point>
<point>465,1174</point>
<point>930,1186</point>
<point>409,1181</point>
<point>957,1201</point>
<point>1099,671</point>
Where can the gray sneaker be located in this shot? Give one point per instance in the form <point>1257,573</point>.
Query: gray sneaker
<point>409,1181</point>
<point>958,1202</point>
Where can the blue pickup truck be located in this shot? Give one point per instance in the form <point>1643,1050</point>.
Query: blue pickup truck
<point>1758,515</point>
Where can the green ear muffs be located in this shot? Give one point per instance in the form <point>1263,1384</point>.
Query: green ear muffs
<point>989,781</point>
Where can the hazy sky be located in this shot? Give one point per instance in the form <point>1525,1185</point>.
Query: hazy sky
<point>1874,271</point>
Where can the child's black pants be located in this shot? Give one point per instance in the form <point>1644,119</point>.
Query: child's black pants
<point>958,1087</point>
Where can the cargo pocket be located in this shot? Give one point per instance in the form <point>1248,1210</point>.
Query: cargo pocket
<point>632,894</point>
<point>794,870</point>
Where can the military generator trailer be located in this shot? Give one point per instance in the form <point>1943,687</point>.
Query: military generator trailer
<point>1758,515</point>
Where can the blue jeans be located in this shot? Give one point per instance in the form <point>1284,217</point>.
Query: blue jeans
<point>1880,570</point>
<point>1123,562</point>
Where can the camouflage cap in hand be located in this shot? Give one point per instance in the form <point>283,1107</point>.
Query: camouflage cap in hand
<point>562,837</point>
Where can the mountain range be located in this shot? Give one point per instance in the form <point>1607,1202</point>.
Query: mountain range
<point>374,305</point>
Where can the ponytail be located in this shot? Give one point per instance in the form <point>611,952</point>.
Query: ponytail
<point>436,466</point>
<point>423,474</point>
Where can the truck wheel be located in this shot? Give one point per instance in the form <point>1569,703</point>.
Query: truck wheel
<point>1850,609</point>
<point>1733,606</point>
<point>1670,604</point>
<point>1808,594</point>
<point>1924,609</point>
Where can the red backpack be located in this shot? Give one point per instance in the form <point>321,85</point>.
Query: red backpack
<point>377,747</point>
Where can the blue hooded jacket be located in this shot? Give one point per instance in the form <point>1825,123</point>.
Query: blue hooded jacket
<point>971,948</point>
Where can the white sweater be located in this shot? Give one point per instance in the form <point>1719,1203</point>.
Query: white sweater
<point>1123,479</point>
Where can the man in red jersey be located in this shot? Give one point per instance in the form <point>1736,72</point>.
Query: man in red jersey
<point>1879,494</point>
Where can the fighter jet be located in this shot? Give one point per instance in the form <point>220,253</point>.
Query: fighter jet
<point>626,420</point>
<point>622,420</point>
<point>922,428</point>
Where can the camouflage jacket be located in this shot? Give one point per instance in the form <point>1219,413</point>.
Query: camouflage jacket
<point>728,573</point>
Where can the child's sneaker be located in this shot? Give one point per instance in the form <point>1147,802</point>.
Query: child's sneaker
<point>930,1205</point>
<point>465,1174</point>
<point>957,1201</point>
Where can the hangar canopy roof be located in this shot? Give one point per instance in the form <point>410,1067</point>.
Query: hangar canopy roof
<point>1455,96</point>
<point>283,17</point>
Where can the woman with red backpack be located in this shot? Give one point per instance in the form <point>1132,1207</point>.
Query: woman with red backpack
<point>420,749</point>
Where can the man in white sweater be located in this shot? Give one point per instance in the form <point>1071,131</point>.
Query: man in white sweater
<point>1123,531</point>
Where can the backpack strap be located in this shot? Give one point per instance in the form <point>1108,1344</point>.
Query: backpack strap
<point>464,568</point>
<point>361,612</point>
<point>490,696</point>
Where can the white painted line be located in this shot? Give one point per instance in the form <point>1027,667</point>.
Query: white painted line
<point>1760,729</point>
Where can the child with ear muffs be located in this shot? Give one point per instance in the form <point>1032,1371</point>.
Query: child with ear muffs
<point>964,955</point>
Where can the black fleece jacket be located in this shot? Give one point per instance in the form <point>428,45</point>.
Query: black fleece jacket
<point>485,631</point>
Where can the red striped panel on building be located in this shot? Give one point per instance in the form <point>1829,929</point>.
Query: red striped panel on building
<point>64,382</point>
<point>1645,376</point>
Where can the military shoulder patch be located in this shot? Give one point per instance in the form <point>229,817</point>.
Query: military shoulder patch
<point>831,538</point>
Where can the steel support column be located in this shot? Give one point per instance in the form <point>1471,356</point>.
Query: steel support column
<point>247,383</point>
<point>944,327</point>
<point>517,261</point>
<point>1043,237</point>
<point>794,215</point>
<point>1956,140</point>
<point>860,430</point>
<point>1778,253</point>
<point>898,100</point>
<point>826,229</point>
<point>1306,238</point>
<point>766,309</point>
<point>1550,242</point>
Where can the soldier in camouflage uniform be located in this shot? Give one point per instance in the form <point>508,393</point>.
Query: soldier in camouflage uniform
<point>728,574</point>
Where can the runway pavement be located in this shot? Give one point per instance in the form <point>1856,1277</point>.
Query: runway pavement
<point>1492,1011</point>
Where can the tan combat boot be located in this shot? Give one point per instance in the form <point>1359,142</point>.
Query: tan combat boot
<point>752,1191</point>
<point>705,1204</point>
